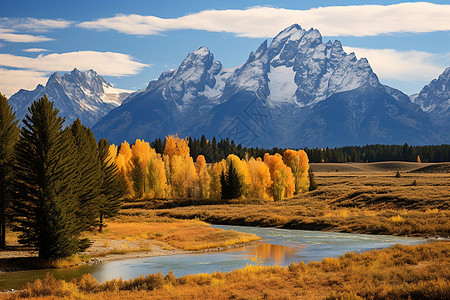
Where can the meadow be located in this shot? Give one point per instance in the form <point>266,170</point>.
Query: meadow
<point>352,197</point>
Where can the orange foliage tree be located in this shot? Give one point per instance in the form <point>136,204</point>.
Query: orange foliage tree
<point>260,180</point>
<point>123,162</point>
<point>180,168</point>
<point>283,183</point>
<point>174,173</point>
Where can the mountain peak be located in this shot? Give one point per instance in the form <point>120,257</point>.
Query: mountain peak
<point>202,51</point>
<point>78,94</point>
<point>297,91</point>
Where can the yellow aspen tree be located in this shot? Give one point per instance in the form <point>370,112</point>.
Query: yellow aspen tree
<point>173,148</point>
<point>113,151</point>
<point>200,164</point>
<point>260,180</point>
<point>183,176</point>
<point>418,159</point>
<point>283,183</point>
<point>214,171</point>
<point>123,162</point>
<point>140,158</point>
<point>203,179</point>
<point>156,176</point>
<point>299,163</point>
<point>176,146</point>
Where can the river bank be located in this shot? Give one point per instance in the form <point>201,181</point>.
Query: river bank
<point>278,247</point>
<point>127,238</point>
<point>400,272</point>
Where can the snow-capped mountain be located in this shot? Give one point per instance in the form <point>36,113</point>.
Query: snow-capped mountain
<point>83,95</point>
<point>297,91</point>
<point>434,99</point>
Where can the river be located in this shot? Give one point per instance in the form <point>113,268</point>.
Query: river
<point>278,247</point>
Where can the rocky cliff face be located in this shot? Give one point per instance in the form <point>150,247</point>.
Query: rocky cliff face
<point>83,95</point>
<point>296,91</point>
<point>434,99</point>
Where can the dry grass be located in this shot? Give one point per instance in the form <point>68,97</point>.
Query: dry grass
<point>134,233</point>
<point>400,272</point>
<point>190,235</point>
<point>364,201</point>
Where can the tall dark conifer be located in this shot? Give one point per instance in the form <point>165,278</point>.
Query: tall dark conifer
<point>9,134</point>
<point>113,186</point>
<point>231,185</point>
<point>89,175</point>
<point>45,203</point>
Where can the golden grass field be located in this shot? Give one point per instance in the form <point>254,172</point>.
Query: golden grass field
<point>353,197</point>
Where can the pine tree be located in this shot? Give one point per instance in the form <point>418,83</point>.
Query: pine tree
<point>89,175</point>
<point>312,180</point>
<point>113,187</point>
<point>138,177</point>
<point>9,134</point>
<point>231,184</point>
<point>45,203</point>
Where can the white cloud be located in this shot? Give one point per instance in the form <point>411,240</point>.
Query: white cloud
<point>12,29</point>
<point>30,71</point>
<point>257,22</point>
<point>10,35</point>
<point>35,50</point>
<point>12,81</point>
<point>407,66</point>
<point>105,63</point>
<point>33,24</point>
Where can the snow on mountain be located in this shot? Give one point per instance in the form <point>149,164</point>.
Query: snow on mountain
<point>434,99</point>
<point>297,91</point>
<point>435,96</point>
<point>83,95</point>
<point>298,60</point>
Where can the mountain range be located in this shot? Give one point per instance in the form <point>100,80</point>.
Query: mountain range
<point>83,95</point>
<point>296,91</point>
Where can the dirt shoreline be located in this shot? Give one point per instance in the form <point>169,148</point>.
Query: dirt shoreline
<point>14,261</point>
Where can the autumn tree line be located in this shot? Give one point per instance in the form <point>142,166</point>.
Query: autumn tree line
<point>174,173</point>
<point>216,150</point>
<point>55,182</point>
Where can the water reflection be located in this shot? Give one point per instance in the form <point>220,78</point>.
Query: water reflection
<point>279,247</point>
<point>269,253</point>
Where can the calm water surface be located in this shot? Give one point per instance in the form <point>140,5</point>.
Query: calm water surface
<point>278,247</point>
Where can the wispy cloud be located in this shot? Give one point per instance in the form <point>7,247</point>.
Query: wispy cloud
<point>257,22</point>
<point>10,35</point>
<point>12,81</point>
<point>17,29</point>
<point>35,50</point>
<point>105,63</point>
<point>403,65</point>
<point>33,24</point>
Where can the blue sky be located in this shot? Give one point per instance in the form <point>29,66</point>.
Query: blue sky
<point>132,42</point>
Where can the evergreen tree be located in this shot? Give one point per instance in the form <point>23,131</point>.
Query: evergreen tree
<point>231,185</point>
<point>138,177</point>
<point>89,175</point>
<point>312,180</point>
<point>9,134</point>
<point>45,203</point>
<point>113,186</point>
